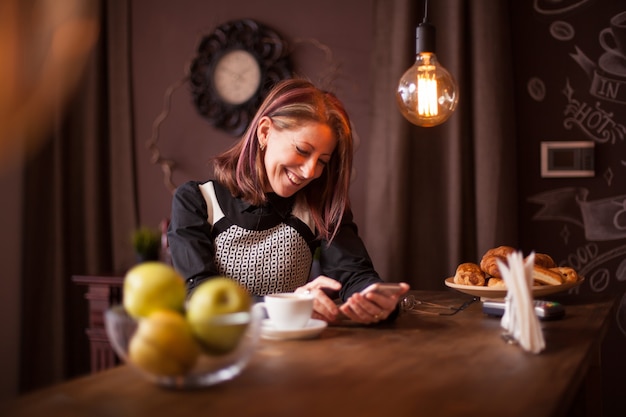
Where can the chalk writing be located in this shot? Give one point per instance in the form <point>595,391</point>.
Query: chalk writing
<point>581,257</point>
<point>562,31</point>
<point>590,112</point>
<point>599,280</point>
<point>608,175</point>
<point>621,314</point>
<point>551,7</point>
<point>608,88</point>
<point>589,258</point>
<point>595,122</point>
<point>536,89</point>
<point>620,273</point>
<point>602,219</point>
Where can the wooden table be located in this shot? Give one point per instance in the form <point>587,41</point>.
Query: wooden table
<point>421,365</point>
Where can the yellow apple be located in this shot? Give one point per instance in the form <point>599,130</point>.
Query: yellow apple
<point>213,298</point>
<point>163,344</point>
<point>151,286</point>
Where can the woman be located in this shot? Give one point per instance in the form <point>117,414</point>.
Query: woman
<point>279,197</point>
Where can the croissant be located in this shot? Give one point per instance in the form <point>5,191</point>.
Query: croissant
<point>489,262</point>
<point>469,274</point>
<point>547,276</point>
<point>544,260</point>
<point>569,274</point>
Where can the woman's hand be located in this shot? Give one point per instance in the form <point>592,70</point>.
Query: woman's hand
<point>324,308</point>
<point>373,306</point>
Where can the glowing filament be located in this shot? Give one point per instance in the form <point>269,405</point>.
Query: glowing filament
<point>427,92</point>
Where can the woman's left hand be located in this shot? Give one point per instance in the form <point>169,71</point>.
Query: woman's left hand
<point>324,308</point>
<point>371,307</point>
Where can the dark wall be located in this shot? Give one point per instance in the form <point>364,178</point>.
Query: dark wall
<point>571,88</point>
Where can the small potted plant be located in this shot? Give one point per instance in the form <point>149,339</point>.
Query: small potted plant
<point>147,244</point>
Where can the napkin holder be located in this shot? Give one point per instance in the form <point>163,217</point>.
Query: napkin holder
<point>520,320</point>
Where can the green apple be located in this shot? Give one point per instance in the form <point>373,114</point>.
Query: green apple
<point>216,297</point>
<point>151,286</point>
<point>163,344</point>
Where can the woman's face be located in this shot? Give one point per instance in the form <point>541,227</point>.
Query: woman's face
<point>295,157</point>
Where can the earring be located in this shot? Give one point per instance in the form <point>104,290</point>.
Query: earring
<point>262,146</point>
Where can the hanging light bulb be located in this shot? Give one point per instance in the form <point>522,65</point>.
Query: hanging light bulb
<point>427,93</point>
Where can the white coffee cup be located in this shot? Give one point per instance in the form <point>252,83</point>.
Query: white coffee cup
<point>288,311</point>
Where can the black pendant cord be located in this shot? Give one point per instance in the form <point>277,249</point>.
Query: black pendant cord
<point>425,34</point>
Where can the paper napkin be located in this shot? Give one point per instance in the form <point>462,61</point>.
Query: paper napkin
<point>519,319</point>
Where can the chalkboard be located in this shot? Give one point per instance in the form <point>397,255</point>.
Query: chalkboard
<point>570,72</point>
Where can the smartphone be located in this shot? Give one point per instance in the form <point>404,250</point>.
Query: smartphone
<point>545,310</point>
<point>384,288</point>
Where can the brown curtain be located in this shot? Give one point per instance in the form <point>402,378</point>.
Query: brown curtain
<point>79,207</point>
<point>442,195</point>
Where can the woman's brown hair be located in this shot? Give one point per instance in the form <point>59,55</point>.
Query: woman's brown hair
<point>289,104</point>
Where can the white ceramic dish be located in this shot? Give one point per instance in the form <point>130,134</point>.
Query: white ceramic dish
<point>495,293</point>
<point>313,328</point>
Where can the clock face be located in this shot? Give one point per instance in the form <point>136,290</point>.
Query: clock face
<point>235,68</point>
<point>237,77</point>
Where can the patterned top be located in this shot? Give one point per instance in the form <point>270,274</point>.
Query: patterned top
<point>265,248</point>
<point>280,255</point>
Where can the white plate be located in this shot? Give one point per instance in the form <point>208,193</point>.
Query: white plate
<point>313,328</point>
<point>495,292</point>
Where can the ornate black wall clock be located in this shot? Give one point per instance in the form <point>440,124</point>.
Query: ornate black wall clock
<point>234,69</point>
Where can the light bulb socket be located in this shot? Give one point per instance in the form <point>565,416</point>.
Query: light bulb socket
<point>425,38</point>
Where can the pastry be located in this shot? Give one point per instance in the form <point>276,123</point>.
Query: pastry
<point>546,276</point>
<point>489,262</point>
<point>487,273</point>
<point>469,274</point>
<point>569,274</point>
<point>544,260</point>
<point>496,282</point>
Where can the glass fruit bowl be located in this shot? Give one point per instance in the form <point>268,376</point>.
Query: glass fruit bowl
<point>184,364</point>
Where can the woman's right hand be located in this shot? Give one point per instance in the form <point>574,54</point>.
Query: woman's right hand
<point>324,308</point>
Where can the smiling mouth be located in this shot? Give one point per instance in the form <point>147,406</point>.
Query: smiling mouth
<point>293,179</point>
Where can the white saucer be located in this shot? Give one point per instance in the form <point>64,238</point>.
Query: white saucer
<point>313,328</point>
